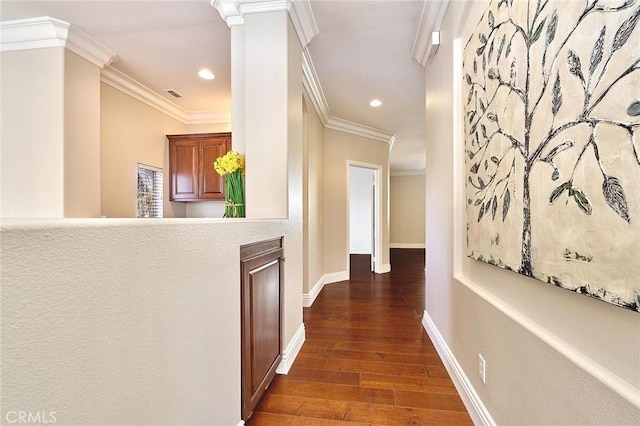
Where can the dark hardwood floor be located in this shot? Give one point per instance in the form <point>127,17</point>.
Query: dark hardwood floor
<point>366,358</point>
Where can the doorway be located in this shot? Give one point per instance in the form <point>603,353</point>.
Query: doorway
<point>364,236</point>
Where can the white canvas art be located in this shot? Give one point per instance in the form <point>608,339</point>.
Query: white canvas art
<point>552,150</point>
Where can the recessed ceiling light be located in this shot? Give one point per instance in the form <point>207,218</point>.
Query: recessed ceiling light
<point>206,74</point>
<point>375,103</point>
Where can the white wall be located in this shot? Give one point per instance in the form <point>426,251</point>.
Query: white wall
<point>129,321</point>
<point>360,210</point>
<point>407,211</point>
<point>32,131</point>
<point>553,357</point>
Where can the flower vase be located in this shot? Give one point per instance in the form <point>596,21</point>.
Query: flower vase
<point>234,194</point>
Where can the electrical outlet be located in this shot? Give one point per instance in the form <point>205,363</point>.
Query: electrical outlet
<point>482,369</point>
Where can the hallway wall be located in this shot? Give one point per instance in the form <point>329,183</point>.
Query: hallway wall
<point>552,356</point>
<point>339,147</point>
<point>314,211</point>
<point>406,214</point>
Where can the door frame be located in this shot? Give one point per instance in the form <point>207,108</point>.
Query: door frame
<point>377,210</point>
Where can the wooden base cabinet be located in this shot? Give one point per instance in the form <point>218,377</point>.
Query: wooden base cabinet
<point>261,298</point>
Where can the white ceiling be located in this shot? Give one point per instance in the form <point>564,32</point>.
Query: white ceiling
<point>362,52</point>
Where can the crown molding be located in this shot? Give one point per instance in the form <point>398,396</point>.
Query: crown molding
<point>300,13</point>
<point>206,117</point>
<point>360,130</point>
<point>424,45</point>
<point>303,21</point>
<point>46,32</point>
<point>406,173</point>
<point>312,85</point>
<point>127,85</point>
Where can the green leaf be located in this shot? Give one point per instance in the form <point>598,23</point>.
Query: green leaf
<point>596,53</point>
<point>575,67</point>
<point>558,191</point>
<point>615,198</point>
<point>556,99</point>
<point>582,201</point>
<point>506,203</point>
<point>494,207</point>
<point>625,30</point>
<point>537,32</point>
<point>501,48</point>
<point>551,28</point>
<point>481,213</point>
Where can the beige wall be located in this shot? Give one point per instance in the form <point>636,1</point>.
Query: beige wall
<point>407,213</point>
<point>553,357</point>
<point>109,341</point>
<point>32,145</point>
<point>81,137</point>
<point>50,134</point>
<point>315,198</point>
<point>131,133</point>
<point>340,147</point>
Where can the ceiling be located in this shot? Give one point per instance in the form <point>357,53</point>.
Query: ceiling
<point>362,52</point>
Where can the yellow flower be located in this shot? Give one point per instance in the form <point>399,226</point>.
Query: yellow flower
<point>229,163</point>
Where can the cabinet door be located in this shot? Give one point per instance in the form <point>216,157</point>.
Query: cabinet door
<point>261,319</point>
<point>183,169</point>
<point>212,184</point>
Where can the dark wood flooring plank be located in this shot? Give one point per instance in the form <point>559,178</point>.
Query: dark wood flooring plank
<point>434,401</point>
<point>420,384</point>
<point>360,412</point>
<point>305,360</point>
<point>332,391</point>
<point>270,419</point>
<point>320,376</point>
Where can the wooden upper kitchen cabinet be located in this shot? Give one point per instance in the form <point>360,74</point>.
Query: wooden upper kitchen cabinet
<point>191,173</point>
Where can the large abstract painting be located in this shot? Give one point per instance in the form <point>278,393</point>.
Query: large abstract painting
<point>552,129</point>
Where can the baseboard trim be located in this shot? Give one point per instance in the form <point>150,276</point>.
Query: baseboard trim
<point>291,352</point>
<point>476,408</point>
<point>308,299</point>
<point>384,268</point>
<point>335,277</point>
<point>407,245</point>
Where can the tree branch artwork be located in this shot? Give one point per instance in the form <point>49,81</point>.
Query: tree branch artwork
<point>552,119</point>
